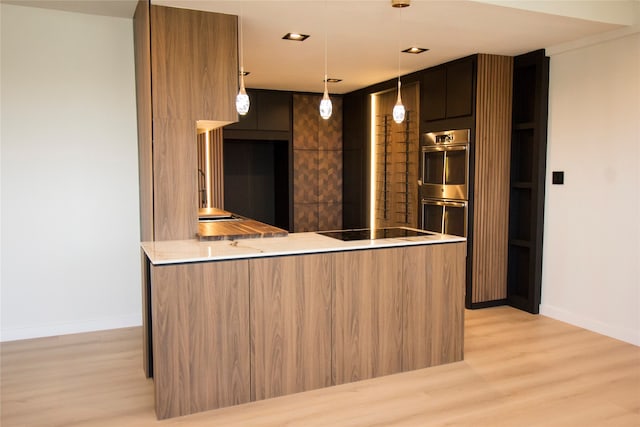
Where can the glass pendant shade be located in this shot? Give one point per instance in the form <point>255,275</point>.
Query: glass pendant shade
<point>242,99</point>
<point>325,105</point>
<point>398,109</point>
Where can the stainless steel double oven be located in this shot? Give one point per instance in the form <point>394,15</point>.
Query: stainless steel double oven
<point>444,181</point>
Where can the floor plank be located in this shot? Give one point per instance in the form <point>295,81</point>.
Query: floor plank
<point>519,370</point>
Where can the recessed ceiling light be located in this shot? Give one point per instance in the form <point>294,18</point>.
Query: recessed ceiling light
<point>332,80</point>
<point>296,37</point>
<point>400,3</point>
<point>415,50</point>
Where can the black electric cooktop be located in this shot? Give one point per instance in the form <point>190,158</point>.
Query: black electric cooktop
<point>378,233</point>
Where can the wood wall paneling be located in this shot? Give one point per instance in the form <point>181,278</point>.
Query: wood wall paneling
<point>175,179</point>
<point>200,339</point>
<point>290,324</point>
<point>491,188</point>
<point>317,165</point>
<point>433,305</point>
<point>141,37</point>
<point>368,314</point>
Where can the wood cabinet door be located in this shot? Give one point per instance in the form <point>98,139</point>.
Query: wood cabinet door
<point>175,186</point>
<point>368,319</point>
<point>200,319</point>
<point>194,64</point>
<point>434,94</point>
<point>290,324</point>
<point>460,88</point>
<point>433,305</point>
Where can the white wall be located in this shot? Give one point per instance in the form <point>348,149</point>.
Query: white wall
<point>69,202</point>
<point>591,261</point>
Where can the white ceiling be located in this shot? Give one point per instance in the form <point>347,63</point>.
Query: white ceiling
<point>364,36</point>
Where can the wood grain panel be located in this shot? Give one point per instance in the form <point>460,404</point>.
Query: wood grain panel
<point>241,229</point>
<point>433,322</point>
<point>317,165</point>
<point>200,341</point>
<point>367,319</point>
<point>491,189</point>
<point>194,64</point>
<point>290,324</point>
<point>175,179</point>
<point>141,39</point>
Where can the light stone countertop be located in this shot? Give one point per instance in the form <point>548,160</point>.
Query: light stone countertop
<point>183,251</point>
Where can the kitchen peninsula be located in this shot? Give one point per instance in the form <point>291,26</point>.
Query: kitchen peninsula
<point>234,321</point>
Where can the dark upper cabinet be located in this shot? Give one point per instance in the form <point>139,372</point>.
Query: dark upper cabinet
<point>447,90</point>
<point>434,94</point>
<point>270,111</point>
<point>460,88</point>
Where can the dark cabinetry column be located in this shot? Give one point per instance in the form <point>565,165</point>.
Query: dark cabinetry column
<point>528,168</point>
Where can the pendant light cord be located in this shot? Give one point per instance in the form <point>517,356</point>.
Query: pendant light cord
<point>326,20</point>
<point>241,46</point>
<point>399,30</point>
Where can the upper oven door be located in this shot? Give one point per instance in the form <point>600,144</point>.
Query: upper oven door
<point>445,171</point>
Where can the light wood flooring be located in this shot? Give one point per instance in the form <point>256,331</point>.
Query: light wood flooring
<point>519,370</point>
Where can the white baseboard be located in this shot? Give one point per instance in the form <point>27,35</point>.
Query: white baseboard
<point>621,333</point>
<point>65,328</point>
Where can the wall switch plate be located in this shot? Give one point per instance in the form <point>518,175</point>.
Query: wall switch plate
<point>557,177</point>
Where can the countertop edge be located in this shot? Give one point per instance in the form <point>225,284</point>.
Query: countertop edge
<point>191,251</point>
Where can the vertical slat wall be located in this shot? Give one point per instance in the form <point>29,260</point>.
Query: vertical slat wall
<point>217,177</point>
<point>491,189</point>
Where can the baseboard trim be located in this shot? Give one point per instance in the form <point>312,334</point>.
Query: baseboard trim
<point>66,328</point>
<point>620,333</point>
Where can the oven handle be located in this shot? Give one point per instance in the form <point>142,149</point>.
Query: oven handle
<point>436,148</point>
<point>444,203</point>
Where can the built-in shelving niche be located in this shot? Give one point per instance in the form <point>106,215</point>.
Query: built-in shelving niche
<point>527,184</point>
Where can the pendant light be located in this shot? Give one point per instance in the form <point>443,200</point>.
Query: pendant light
<point>242,99</point>
<point>325,104</point>
<point>398,109</point>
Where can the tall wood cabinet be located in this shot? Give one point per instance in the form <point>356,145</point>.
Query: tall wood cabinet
<point>186,74</point>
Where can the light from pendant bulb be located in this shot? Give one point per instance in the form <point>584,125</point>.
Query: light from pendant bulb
<point>325,105</point>
<point>242,99</point>
<point>398,109</point>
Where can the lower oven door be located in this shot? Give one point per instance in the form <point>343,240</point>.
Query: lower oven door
<point>445,216</point>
